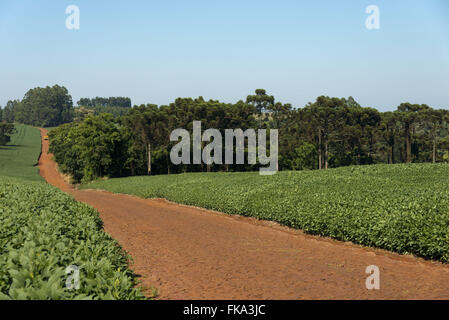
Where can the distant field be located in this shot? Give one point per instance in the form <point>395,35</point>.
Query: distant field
<point>19,157</point>
<point>402,208</point>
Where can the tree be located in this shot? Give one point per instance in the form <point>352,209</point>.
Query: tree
<point>8,111</point>
<point>326,115</point>
<point>279,113</point>
<point>45,107</point>
<point>434,122</point>
<point>410,115</point>
<point>89,149</point>
<point>261,100</point>
<point>121,102</point>
<point>82,112</point>
<point>150,125</point>
<point>6,131</point>
<point>366,121</point>
<point>303,157</point>
<point>389,131</point>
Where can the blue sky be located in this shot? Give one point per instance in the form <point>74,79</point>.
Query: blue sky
<point>156,51</point>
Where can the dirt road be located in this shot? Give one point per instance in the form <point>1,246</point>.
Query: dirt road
<point>190,253</point>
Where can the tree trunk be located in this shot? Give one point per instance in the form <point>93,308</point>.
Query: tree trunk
<point>149,159</point>
<point>434,152</point>
<point>168,166</point>
<point>326,155</point>
<point>359,149</point>
<point>390,155</point>
<point>408,144</point>
<point>320,151</point>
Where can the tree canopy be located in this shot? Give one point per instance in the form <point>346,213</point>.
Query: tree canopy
<point>6,131</point>
<point>123,102</point>
<point>44,107</point>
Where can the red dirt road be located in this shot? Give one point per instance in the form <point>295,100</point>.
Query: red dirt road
<point>190,253</point>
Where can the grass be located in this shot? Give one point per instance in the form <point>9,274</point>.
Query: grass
<point>402,208</point>
<point>19,158</point>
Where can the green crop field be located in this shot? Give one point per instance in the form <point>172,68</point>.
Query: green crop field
<point>19,157</point>
<point>43,231</point>
<point>402,208</point>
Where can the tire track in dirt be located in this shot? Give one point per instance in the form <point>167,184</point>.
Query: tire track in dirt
<point>191,253</point>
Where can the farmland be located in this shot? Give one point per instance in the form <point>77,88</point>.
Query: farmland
<point>43,231</point>
<point>18,158</point>
<point>402,208</point>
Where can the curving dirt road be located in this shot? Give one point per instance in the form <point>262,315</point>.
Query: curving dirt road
<point>190,253</point>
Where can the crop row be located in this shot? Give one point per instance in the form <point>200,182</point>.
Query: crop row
<point>42,232</point>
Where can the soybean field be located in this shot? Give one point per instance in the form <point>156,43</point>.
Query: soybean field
<point>19,158</point>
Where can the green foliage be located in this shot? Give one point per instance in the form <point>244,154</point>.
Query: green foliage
<point>402,208</point>
<point>6,131</point>
<point>261,100</point>
<point>121,102</point>
<point>45,107</point>
<point>304,156</point>
<point>8,111</point>
<point>42,232</point>
<point>89,149</point>
<point>19,157</point>
<point>82,112</point>
<point>104,145</point>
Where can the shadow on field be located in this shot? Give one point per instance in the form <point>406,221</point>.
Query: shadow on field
<point>10,146</point>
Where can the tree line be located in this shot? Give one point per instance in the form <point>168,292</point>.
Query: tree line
<point>53,106</point>
<point>123,102</point>
<point>43,107</point>
<point>339,132</point>
<point>110,138</point>
<point>329,132</point>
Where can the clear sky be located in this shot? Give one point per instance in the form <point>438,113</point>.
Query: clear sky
<point>156,51</point>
